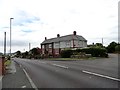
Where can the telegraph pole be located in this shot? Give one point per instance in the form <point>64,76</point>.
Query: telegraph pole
<point>4,43</point>
<point>102,41</point>
<point>29,46</point>
<point>10,36</point>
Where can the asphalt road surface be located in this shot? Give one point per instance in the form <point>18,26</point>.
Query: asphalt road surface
<point>99,73</point>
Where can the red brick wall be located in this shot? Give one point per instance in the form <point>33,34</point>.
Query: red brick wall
<point>0,66</point>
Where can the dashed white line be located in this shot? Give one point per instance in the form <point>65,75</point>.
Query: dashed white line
<point>30,80</point>
<point>1,77</point>
<point>1,82</point>
<point>23,86</point>
<point>43,62</point>
<point>100,75</point>
<point>60,66</point>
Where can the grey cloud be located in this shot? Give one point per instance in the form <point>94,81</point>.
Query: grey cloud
<point>15,43</point>
<point>27,31</point>
<point>23,17</point>
<point>5,27</point>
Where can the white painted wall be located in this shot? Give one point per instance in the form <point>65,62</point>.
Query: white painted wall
<point>80,44</point>
<point>42,46</point>
<point>56,45</point>
<point>62,44</point>
<point>68,44</point>
<point>50,45</point>
<point>84,44</point>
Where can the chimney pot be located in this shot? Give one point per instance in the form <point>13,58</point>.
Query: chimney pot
<point>58,35</point>
<point>74,32</point>
<point>45,38</point>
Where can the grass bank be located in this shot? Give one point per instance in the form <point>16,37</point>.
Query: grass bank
<point>71,59</point>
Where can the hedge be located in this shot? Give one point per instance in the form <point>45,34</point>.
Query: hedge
<point>94,51</point>
<point>66,53</point>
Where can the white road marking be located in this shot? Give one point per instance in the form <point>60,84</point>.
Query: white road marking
<point>60,66</point>
<point>1,82</point>
<point>30,80</point>
<point>43,62</point>
<point>1,77</point>
<point>20,65</point>
<point>100,75</point>
<point>23,86</point>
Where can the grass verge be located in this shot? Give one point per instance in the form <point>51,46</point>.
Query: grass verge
<point>70,59</point>
<point>7,62</point>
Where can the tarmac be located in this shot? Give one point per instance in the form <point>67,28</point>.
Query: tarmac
<point>15,77</point>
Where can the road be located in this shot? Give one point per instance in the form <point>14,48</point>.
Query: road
<point>99,73</point>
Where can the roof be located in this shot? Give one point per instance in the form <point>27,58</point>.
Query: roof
<point>64,38</point>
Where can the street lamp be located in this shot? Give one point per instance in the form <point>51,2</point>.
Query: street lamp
<point>10,36</point>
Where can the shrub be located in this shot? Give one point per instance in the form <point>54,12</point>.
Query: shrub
<point>117,48</point>
<point>94,51</point>
<point>66,53</point>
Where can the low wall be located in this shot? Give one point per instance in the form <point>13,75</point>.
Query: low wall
<point>2,69</point>
<point>0,66</point>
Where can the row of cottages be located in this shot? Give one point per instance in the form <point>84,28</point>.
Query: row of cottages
<point>52,47</point>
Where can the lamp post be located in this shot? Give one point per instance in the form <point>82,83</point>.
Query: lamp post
<point>4,43</point>
<point>10,36</point>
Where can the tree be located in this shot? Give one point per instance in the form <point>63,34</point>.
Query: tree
<point>117,48</point>
<point>96,45</point>
<point>18,54</point>
<point>111,47</point>
<point>25,54</point>
<point>99,45</point>
<point>35,53</point>
<point>1,54</point>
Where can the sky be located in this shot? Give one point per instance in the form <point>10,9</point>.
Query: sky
<point>36,19</point>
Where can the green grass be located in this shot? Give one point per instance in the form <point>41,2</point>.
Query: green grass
<point>7,63</point>
<point>65,59</point>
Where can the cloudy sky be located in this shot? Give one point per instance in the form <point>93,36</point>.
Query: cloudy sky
<point>36,19</point>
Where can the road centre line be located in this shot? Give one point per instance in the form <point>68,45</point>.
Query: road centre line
<point>1,78</point>
<point>30,80</point>
<point>60,66</point>
<point>43,62</point>
<point>100,75</point>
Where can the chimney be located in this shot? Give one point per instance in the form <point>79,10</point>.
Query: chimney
<point>74,32</point>
<point>58,35</point>
<point>45,38</point>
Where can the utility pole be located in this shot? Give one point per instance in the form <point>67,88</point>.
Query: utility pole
<point>29,46</point>
<point>4,43</point>
<point>10,36</point>
<point>102,41</point>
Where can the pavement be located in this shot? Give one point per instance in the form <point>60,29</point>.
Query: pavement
<point>15,77</point>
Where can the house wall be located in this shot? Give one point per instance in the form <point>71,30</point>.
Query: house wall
<point>84,44</point>
<point>62,44</point>
<point>78,44</point>
<point>57,46</point>
<point>42,48</point>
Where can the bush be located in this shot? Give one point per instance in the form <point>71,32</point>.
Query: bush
<point>94,51</point>
<point>37,56</point>
<point>117,49</point>
<point>66,53</point>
